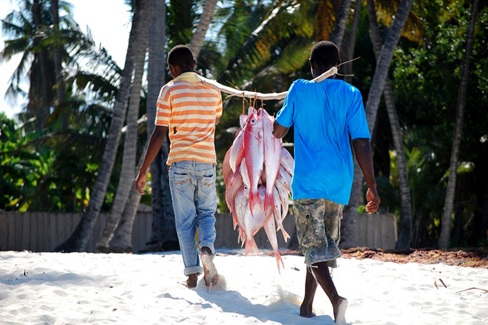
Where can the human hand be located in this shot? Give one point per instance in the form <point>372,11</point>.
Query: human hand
<point>140,181</point>
<point>373,200</point>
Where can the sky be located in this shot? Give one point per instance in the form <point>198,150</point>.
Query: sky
<point>126,289</point>
<point>108,20</point>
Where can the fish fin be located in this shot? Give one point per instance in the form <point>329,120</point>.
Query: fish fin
<point>254,202</point>
<point>251,246</point>
<point>269,203</point>
<point>279,261</point>
<point>286,236</point>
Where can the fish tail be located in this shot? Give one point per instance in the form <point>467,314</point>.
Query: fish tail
<point>269,205</point>
<point>254,202</point>
<point>286,236</point>
<point>251,246</point>
<point>279,261</point>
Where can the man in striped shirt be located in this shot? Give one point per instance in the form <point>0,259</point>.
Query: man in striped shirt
<point>188,110</point>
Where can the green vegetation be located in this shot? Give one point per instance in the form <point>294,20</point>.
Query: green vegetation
<point>50,155</point>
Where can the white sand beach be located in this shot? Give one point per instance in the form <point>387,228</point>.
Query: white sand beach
<point>86,288</point>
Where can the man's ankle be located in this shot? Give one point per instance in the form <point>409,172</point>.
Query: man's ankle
<point>191,282</point>
<point>205,250</point>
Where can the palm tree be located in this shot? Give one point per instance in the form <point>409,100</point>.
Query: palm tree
<point>461,103</point>
<point>341,22</point>
<point>196,42</point>
<point>350,43</point>
<point>404,237</point>
<point>130,146</point>
<point>374,97</point>
<point>30,27</point>
<point>127,172</point>
<point>34,29</point>
<point>384,60</point>
<point>58,69</point>
<point>78,241</point>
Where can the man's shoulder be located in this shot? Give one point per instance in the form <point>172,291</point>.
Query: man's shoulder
<point>302,81</point>
<point>331,82</point>
<point>343,86</point>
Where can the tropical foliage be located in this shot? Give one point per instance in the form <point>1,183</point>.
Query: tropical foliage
<point>264,46</point>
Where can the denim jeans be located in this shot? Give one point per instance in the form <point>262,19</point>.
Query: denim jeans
<point>194,199</point>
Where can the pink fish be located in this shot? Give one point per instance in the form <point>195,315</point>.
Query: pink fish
<point>248,224</point>
<point>227,172</point>
<point>253,153</point>
<point>237,151</point>
<point>270,229</point>
<point>272,158</point>
<point>257,174</point>
<point>284,177</point>
<point>279,213</point>
<point>244,174</point>
<point>287,161</point>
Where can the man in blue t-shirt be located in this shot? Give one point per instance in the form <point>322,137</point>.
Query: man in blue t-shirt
<point>326,117</point>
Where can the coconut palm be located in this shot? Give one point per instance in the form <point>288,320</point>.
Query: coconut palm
<point>62,188</point>
<point>372,104</point>
<point>341,22</point>
<point>461,103</point>
<point>405,228</point>
<point>34,38</point>
<point>117,235</point>
<point>127,172</point>
<point>198,37</point>
<point>79,239</point>
<point>384,60</point>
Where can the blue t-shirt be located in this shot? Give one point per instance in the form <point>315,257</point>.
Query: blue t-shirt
<point>326,116</point>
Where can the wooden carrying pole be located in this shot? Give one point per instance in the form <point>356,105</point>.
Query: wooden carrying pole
<point>256,95</point>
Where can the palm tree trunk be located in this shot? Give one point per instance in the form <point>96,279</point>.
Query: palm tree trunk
<point>341,22</point>
<point>121,241</point>
<point>43,106</point>
<point>60,87</point>
<point>124,220</point>
<point>405,226</point>
<point>461,103</point>
<point>163,228</point>
<point>372,104</point>
<point>384,60</point>
<point>348,227</point>
<point>127,172</point>
<point>78,241</point>
<point>198,37</point>
<point>351,42</point>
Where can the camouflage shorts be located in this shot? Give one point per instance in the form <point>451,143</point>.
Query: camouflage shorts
<point>318,225</point>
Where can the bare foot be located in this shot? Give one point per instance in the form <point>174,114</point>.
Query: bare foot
<point>209,270</point>
<point>191,282</point>
<point>340,311</point>
<point>306,310</point>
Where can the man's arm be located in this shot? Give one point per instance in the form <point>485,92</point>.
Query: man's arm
<point>362,150</point>
<point>279,131</point>
<point>156,141</point>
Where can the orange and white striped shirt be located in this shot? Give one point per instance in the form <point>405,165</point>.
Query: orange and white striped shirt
<point>189,108</point>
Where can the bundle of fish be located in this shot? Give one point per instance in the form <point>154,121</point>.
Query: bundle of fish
<point>257,173</point>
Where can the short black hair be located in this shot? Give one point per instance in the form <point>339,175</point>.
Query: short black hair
<point>181,56</point>
<point>325,54</point>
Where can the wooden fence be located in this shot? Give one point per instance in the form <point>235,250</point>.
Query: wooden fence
<point>43,232</point>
